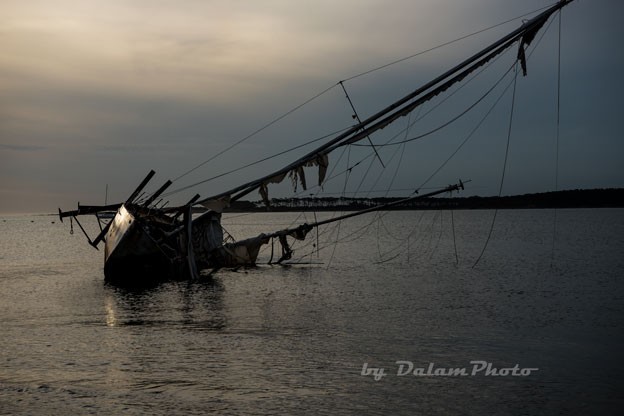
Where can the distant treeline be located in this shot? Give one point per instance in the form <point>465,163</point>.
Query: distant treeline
<point>579,198</point>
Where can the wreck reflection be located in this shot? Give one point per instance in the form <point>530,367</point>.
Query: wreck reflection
<point>192,304</point>
<point>111,315</point>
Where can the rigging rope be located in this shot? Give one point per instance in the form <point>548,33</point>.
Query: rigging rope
<point>184,188</point>
<point>249,136</point>
<point>468,137</point>
<point>344,238</point>
<point>439,236</point>
<point>410,125</point>
<point>446,124</point>
<point>344,188</point>
<point>472,132</point>
<point>347,150</point>
<point>507,148</point>
<point>454,240</point>
<point>502,181</point>
<point>554,236</point>
<point>357,117</point>
<point>443,45</point>
<point>394,175</point>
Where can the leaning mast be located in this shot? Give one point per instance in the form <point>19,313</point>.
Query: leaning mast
<point>525,34</point>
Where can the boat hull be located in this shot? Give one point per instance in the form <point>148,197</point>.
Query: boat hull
<point>131,254</point>
<point>141,248</point>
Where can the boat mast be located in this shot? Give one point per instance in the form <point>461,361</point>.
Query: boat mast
<point>381,119</point>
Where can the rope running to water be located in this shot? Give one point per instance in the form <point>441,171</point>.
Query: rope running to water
<point>554,236</point>
<point>502,181</point>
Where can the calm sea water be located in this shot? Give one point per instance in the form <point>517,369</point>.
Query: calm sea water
<point>294,340</point>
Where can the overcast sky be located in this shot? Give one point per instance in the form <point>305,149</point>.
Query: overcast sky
<point>100,92</point>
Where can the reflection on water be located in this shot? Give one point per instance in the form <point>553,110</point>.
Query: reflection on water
<point>192,304</point>
<point>111,315</point>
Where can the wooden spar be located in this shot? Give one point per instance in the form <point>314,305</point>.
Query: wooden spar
<point>94,209</point>
<point>193,200</point>
<point>102,234</point>
<point>85,233</point>
<point>181,209</point>
<point>449,188</point>
<point>190,254</point>
<point>157,193</point>
<point>88,209</point>
<point>140,187</point>
<point>307,227</point>
<point>360,130</point>
<point>357,117</point>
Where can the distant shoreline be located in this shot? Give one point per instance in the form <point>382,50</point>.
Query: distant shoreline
<point>578,198</point>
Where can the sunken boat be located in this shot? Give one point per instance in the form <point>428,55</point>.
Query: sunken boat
<point>147,241</point>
